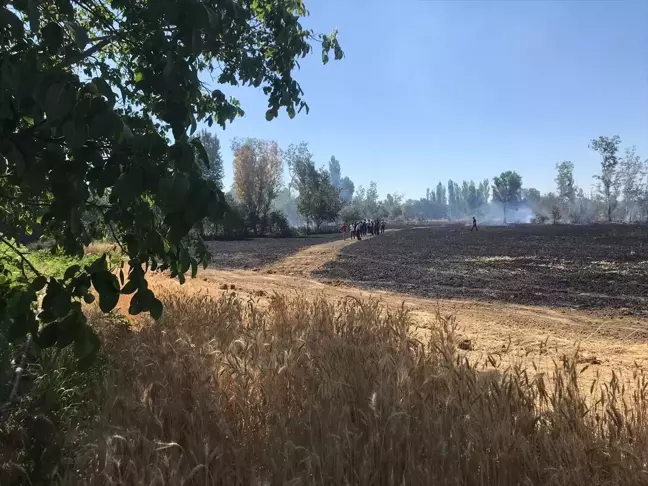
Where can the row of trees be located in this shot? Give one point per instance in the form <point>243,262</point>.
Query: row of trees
<point>262,203</point>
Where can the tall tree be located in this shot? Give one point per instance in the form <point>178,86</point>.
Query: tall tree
<point>99,99</point>
<point>295,155</point>
<point>507,189</point>
<point>452,200</point>
<point>318,200</point>
<point>565,182</point>
<point>335,172</point>
<point>607,147</point>
<point>632,173</point>
<point>257,178</point>
<point>359,196</point>
<point>441,200</point>
<point>347,189</point>
<point>371,200</point>
<point>214,170</point>
<point>484,188</point>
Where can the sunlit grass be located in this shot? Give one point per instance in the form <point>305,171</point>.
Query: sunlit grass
<point>338,392</point>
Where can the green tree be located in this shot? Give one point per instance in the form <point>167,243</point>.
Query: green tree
<point>100,99</point>
<point>607,147</point>
<point>351,213</point>
<point>335,172</point>
<point>295,155</point>
<point>214,171</point>
<point>565,182</point>
<point>258,169</point>
<point>507,189</point>
<point>393,205</point>
<point>371,201</point>
<point>318,200</point>
<point>347,189</point>
<point>632,172</point>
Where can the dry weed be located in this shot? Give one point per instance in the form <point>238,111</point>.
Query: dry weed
<point>321,392</point>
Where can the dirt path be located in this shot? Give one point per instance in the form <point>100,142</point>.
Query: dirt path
<point>499,333</point>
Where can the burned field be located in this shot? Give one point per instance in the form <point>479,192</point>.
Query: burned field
<point>591,267</point>
<point>259,252</point>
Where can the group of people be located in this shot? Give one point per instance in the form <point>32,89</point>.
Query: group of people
<point>358,229</point>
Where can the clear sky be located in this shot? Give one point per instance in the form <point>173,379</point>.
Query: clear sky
<point>431,90</point>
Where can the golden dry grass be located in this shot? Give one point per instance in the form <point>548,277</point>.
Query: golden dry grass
<point>100,247</point>
<point>223,391</point>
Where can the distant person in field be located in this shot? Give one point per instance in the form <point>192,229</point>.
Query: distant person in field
<point>382,227</point>
<point>474,226</point>
<point>344,229</point>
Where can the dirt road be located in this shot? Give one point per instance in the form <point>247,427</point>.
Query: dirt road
<point>499,333</point>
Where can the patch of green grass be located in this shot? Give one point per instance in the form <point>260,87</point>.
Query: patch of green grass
<point>48,263</point>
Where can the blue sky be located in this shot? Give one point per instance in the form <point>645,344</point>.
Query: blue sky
<point>432,90</point>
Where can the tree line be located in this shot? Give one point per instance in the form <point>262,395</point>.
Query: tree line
<point>261,203</point>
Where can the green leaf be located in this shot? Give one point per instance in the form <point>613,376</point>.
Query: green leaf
<point>79,33</point>
<point>108,301</point>
<point>71,272</point>
<point>202,153</point>
<point>61,304</point>
<point>86,342</point>
<point>129,186</point>
<point>185,261</point>
<point>48,335</point>
<point>75,134</point>
<point>130,287</point>
<point>7,17</point>
<point>39,282</point>
<point>34,15</point>
<point>156,308</point>
<point>89,298</point>
<point>194,268</point>
<point>139,77</point>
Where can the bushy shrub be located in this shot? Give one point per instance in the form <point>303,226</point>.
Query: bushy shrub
<point>278,225</point>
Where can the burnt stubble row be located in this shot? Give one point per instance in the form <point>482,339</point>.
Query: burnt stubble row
<point>595,266</point>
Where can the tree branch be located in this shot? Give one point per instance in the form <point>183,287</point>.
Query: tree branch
<point>23,258</point>
<point>87,53</point>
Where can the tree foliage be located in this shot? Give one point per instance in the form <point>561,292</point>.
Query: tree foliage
<point>98,100</point>
<point>565,181</point>
<point>335,172</point>
<point>347,188</point>
<point>507,189</point>
<point>318,200</point>
<point>258,168</point>
<point>214,170</point>
<point>607,147</point>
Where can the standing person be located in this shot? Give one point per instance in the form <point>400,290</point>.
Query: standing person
<point>359,231</point>
<point>382,227</point>
<point>344,229</point>
<point>474,226</point>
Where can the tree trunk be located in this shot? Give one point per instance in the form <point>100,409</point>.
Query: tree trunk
<point>504,206</point>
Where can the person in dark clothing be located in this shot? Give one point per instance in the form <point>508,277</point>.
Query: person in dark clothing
<point>474,226</point>
<point>382,227</point>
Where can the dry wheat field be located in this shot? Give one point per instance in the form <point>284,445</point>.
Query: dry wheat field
<point>290,373</point>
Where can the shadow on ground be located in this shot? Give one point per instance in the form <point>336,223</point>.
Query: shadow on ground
<point>260,252</point>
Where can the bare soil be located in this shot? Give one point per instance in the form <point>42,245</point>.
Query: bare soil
<point>259,252</point>
<point>601,267</point>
